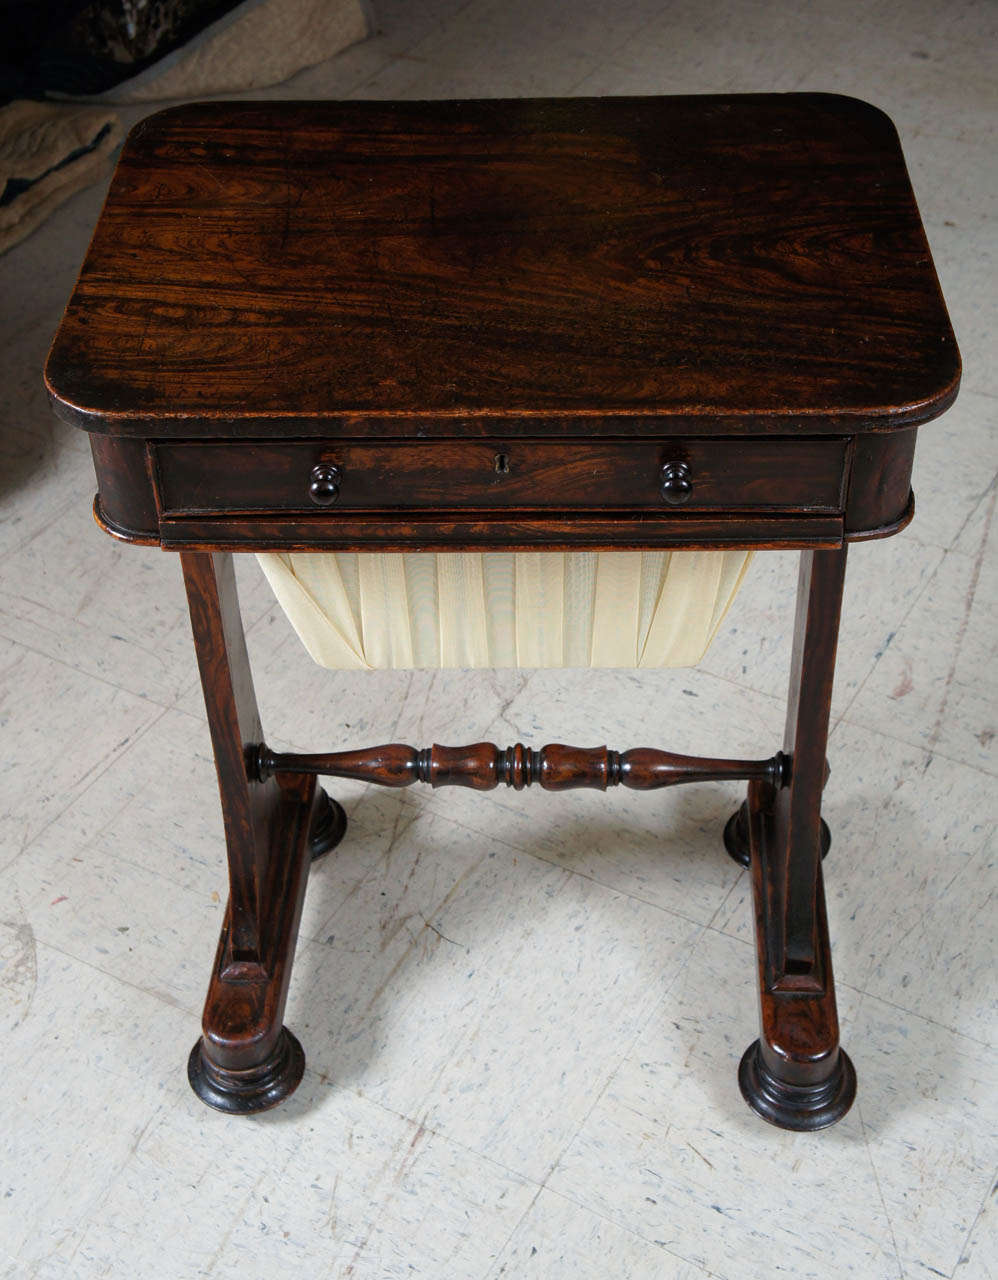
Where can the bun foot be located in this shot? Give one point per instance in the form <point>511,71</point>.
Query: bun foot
<point>329,824</point>
<point>803,1107</point>
<point>736,836</point>
<point>256,1089</point>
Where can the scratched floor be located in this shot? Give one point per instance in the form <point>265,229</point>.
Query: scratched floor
<point>523,1015</point>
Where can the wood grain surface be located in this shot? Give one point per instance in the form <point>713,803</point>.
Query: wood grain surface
<point>737,262</point>
<point>727,474</point>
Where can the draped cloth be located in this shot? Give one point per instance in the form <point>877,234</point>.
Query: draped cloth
<point>506,609</point>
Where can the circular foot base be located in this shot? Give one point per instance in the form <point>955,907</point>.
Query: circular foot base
<point>736,837</point>
<point>794,1106</point>
<point>329,824</point>
<point>246,1092</point>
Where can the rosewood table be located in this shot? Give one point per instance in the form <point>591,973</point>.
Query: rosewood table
<point>633,323</point>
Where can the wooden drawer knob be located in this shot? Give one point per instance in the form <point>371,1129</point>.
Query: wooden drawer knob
<point>324,484</point>
<point>677,483</point>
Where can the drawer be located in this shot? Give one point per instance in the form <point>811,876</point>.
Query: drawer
<point>308,476</point>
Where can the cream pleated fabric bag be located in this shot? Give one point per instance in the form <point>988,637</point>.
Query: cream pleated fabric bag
<point>506,609</point>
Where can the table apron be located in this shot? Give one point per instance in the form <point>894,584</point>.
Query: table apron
<point>254,495</point>
<point>508,533</point>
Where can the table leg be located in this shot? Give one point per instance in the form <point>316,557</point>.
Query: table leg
<point>795,1075</point>
<point>246,1060</point>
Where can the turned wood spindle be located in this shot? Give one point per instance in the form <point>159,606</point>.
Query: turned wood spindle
<point>483,766</point>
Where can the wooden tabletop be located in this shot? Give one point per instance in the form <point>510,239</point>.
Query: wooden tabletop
<point>739,263</point>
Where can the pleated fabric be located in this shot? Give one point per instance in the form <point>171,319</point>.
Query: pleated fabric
<point>506,609</point>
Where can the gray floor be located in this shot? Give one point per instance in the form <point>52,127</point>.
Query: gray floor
<point>523,1014</point>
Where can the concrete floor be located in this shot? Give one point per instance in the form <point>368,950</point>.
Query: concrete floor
<point>523,1015</point>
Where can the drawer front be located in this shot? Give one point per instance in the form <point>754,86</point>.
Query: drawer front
<point>699,474</point>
